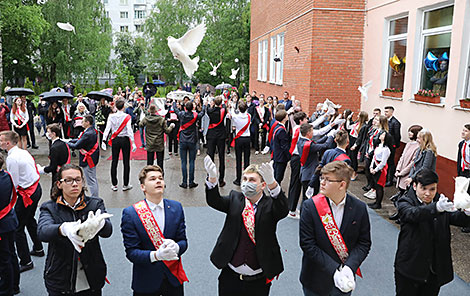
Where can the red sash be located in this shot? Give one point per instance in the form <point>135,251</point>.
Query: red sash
<point>294,140</point>
<point>156,236</point>
<point>119,130</point>
<point>20,118</point>
<point>68,158</point>
<point>186,125</point>
<point>222,114</point>
<point>10,206</point>
<point>27,192</point>
<point>371,140</point>
<point>331,229</point>
<point>342,157</point>
<point>240,132</point>
<point>87,154</point>
<point>383,173</point>
<point>248,215</point>
<point>261,117</point>
<point>271,131</point>
<point>465,163</point>
<point>274,135</point>
<point>305,152</point>
<point>354,132</point>
<point>67,113</point>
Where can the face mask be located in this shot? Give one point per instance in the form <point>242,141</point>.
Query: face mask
<point>249,189</point>
<point>48,136</point>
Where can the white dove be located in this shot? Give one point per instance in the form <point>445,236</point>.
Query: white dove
<point>214,69</point>
<point>234,73</point>
<point>365,89</point>
<point>461,197</point>
<point>88,229</point>
<point>187,45</point>
<point>66,26</point>
<point>327,104</point>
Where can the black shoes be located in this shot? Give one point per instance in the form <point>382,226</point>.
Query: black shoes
<point>26,267</point>
<point>39,253</point>
<point>394,216</point>
<point>237,183</point>
<point>183,185</point>
<point>374,206</point>
<point>465,229</point>
<point>222,183</point>
<point>366,188</point>
<point>35,147</point>
<point>193,185</point>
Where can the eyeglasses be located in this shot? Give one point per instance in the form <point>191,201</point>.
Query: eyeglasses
<point>69,181</point>
<point>329,180</point>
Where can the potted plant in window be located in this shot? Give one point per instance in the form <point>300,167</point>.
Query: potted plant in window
<point>428,96</point>
<point>392,92</point>
<point>465,103</point>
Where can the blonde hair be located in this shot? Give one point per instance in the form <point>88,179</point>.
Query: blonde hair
<point>253,168</point>
<point>340,169</point>
<point>383,122</point>
<point>427,142</point>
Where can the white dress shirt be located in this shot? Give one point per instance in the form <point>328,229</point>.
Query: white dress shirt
<point>158,212</point>
<point>114,122</point>
<point>22,167</point>
<point>381,155</point>
<point>14,117</point>
<point>338,211</point>
<point>239,120</point>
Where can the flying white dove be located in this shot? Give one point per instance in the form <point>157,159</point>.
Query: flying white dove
<point>461,197</point>
<point>327,104</point>
<point>234,73</point>
<point>214,69</point>
<point>364,90</point>
<point>187,45</point>
<point>66,26</point>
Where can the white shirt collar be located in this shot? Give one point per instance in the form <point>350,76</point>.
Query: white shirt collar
<point>341,149</point>
<point>468,142</point>
<point>153,206</point>
<point>13,149</point>
<point>79,199</point>
<point>54,140</point>
<point>333,204</point>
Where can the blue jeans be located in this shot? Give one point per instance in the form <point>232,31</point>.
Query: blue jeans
<point>43,123</point>
<point>334,292</point>
<point>142,135</point>
<point>186,148</point>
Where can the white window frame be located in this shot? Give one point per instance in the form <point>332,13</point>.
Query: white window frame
<point>139,14</point>
<point>430,32</point>
<point>265,61</point>
<point>260,60</point>
<point>272,63</point>
<point>280,52</point>
<point>124,13</point>
<point>123,2</point>
<point>124,28</point>
<point>389,40</point>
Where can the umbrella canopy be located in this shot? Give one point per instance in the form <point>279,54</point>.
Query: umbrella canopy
<point>179,95</point>
<point>158,82</point>
<point>203,87</point>
<point>19,91</point>
<point>98,95</point>
<point>149,90</point>
<point>223,86</point>
<point>58,89</point>
<point>55,95</point>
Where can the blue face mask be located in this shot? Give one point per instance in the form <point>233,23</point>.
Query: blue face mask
<point>249,189</point>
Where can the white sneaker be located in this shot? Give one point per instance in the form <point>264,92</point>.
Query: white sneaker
<point>370,194</point>
<point>293,215</point>
<point>125,188</point>
<point>256,152</point>
<point>114,188</point>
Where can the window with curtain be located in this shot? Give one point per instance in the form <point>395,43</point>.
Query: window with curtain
<point>397,34</point>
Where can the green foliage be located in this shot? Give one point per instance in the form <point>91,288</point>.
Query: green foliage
<point>106,84</point>
<point>78,87</point>
<point>123,77</point>
<point>29,84</point>
<point>129,51</point>
<point>97,85</point>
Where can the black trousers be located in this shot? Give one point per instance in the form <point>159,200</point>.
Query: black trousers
<point>88,292</point>
<point>151,158</point>
<point>294,184</point>
<point>32,136</point>
<point>166,289</point>
<point>231,285</point>
<point>407,287</point>
<point>212,143</point>
<point>466,174</point>
<point>67,129</point>
<point>26,219</point>
<point>121,144</point>
<point>367,161</point>
<point>391,165</point>
<point>304,190</point>
<point>172,143</point>
<point>9,269</point>
<point>242,146</point>
<point>279,170</point>
<point>257,134</point>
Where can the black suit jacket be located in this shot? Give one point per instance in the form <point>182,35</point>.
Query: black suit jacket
<point>320,260</point>
<point>269,211</point>
<point>394,127</point>
<point>87,141</point>
<point>281,145</point>
<point>257,118</point>
<point>218,132</point>
<point>9,222</point>
<point>58,155</point>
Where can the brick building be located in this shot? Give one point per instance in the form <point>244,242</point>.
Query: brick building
<point>320,47</point>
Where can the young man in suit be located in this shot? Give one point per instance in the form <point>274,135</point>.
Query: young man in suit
<point>216,134</point>
<point>333,215</point>
<point>154,234</point>
<point>260,124</point>
<point>249,231</point>
<point>394,127</point>
<point>88,143</point>
<point>463,159</point>
<point>280,146</point>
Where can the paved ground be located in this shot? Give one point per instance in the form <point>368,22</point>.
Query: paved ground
<point>204,224</point>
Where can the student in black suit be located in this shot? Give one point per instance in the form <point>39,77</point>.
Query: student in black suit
<point>463,159</point>
<point>324,270</point>
<point>249,231</point>
<point>9,268</point>
<point>280,146</point>
<point>260,124</point>
<point>394,128</point>
<point>216,134</point>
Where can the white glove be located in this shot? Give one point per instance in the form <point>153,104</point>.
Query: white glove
<point>330,111</point>
<point>309,192</point>
<point>103,146</point>
<point>134,147</point>
<point>210,167</point>
<point>266,171</point>
<point>339,121</point>
<point>165,254</point>
<point>95,222</point>
<point>332,133</point>
<point>69,229</point>
<point>169,243</point>
<point>265,150</point>
<point>467,211</point>
<point>350,115</point>
<point>445,205</point>
<point>342,280</point>
<point>172,125</point>
<point>40,168</point>
<point>66,140</point>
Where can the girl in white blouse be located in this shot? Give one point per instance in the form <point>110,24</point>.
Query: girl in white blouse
<point>378,168</point>
<point>19,120</point>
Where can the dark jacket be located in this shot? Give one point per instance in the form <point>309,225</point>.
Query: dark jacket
<point>424,239</point>
<point>31,110</point>
<point>280,145</point>
<point>361,138</point>
<point>9,222</point>
<point>188,135</point>
<point>269,211</point>
<point>155,128</point>
<point>320,261</point>
<point>423,159</point>
<point>257,118</point>
<point>394,127</point>
<point>86,142</point>
<point>60,272</point>
<point>218,132</point>
<point>42,110</point>
<point>59,153</point>
<point>330,155</point>
<point>459,160</point>
<point>308,169</point>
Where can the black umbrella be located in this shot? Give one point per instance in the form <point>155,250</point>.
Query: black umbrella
<point>54,95</point>
<point>19,91</point>
<point>98,95</point>
<point>149,90</point>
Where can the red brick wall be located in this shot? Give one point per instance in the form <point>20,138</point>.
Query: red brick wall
<point>329,63</point>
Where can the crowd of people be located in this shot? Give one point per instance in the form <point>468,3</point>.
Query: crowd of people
<point>326,150</point>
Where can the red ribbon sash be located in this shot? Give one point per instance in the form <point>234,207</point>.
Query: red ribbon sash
<point>305,152</point>
<point>354,132</point>
<point>294,140</point>
<point>222,114</point>
<point>87,154</point>
<point>186,125</point>
<point>240,132</point>
<point>20,118</point>
<point>119,130</point>
<point>331,229</point>
<point>342,157</point>
<point>248,215</point>
<point>156,236</point>
<point>465,163</point>
<point>67,113</point>
<point>383,173</point>
<point>27,192</point>
<point>68,157</point>
<point>271,132</point>
<point>371,139</point>
<point>12,203</point>
<point>261,117</point>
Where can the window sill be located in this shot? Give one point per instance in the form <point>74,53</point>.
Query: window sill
<point>391,98</point>
<point>457,107</point>
<point>440,105</point>
<point>279,83</point>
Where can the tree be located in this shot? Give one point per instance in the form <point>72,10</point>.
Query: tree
<point>83,55</point>
<point>129,50</point>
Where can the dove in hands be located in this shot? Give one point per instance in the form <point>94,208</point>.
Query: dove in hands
<point>234,73</point>
<point>103,146</point>
<point>364,90</point>
<point>214,69</point>
<point>69,230</point>
<point>445,205</point>
<point>210,167</point>
<point>186,46</point>
<point>461,196</point>
<point>66,27</point>
<point>95,222</point>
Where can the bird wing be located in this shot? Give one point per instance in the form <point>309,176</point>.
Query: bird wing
<point>219,65</point>
<point>367,85</point>
<point>211,64</point>
<point>65,26</point>
<point>191,40</point>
